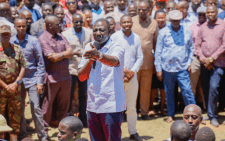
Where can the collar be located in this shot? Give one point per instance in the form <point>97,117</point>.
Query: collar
<point>49,35</point>
<point>218,22</point>
<point>108,44</point>
<point>75,33</point>
<point>125,35</point>
<point>97,12</point>
<point>180,30</point>
<point>25,39</point>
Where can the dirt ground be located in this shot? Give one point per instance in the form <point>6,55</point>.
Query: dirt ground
<point>155,129</point>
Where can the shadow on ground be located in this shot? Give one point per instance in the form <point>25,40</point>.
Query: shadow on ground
<point>142,137</point>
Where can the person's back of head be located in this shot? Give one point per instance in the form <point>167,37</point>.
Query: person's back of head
<point>70,128</point>
<point>205,134</point>
<point>180,131</point>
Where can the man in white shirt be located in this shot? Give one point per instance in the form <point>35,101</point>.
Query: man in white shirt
<point>133,59</point>
<point>106,98</point>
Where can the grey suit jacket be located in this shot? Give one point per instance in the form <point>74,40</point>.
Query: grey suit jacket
<point>37,27</point>
<point>77,46</point>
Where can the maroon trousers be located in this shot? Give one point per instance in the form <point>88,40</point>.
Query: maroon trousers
<point>59,91</point>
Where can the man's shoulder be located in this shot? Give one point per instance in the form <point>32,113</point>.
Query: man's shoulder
<point>67,32</point>
<point>16,47</point>
<point>87,30</point>
<point>35,24</point>
<point>164,30</point>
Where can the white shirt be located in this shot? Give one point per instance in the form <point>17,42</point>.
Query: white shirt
<point>133,56</point>
<point>105,84</point>
<point>7,22</point>
<point>125,11</point>
<point>38,8</point>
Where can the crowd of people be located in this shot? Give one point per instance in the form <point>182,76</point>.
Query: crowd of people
<point>124,55</point>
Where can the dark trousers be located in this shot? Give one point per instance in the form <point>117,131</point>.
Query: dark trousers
<point>210,83</point>
<point>82,97</point>
<point>60,92</point>
<point>105,126</point>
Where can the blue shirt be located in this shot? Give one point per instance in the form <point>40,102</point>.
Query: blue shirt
<point>221,15</point>
<point>35,69</point>
<point>35,14</point>
<point>171,57</point>
<point>12,3</point>
<point>178,37</point>
<point>105,84</point>
<point>78,34</point>
<point>97,14</point>
<point>133,57</point>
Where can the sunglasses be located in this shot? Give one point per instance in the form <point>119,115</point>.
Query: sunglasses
<point>201,14</point>
<point>78,22</point>
<point>71,3</point>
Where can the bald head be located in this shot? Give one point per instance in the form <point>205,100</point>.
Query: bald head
<point>211,2</point>
<point>74,124</point>
<point>193,107</point>
<point>183,6</point>
<point>180,131</point>
<point>52,24</point>
<point>171,5</point>
<point>25,12</point>
<point>132,9</point>
<point>144,2</point>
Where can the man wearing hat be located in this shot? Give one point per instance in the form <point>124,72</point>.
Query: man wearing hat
<point>12,70</point>
<point>3,126</point>
<point>173,57</point>
<point>195,65</point>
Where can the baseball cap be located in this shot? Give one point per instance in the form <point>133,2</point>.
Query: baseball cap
<point>175,15</point>
<point>3,125</point>
<point>5,29</point>
<point>201,9</point>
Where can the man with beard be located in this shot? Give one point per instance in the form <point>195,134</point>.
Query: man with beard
<point>132,9</point>
<point>38,27</point>
<point>33,78</point>
<point>173,57</point>
<point>133,59</point>
<point>192,115</point>
<point>106,99</point>
<point>210,46</point>
<point>26,14</point>
<point>97,12</point>
<point>29,5</point>
<point>78,37</point>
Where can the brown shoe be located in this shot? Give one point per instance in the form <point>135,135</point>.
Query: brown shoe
<point>169,119</point>
<point>13,137</point>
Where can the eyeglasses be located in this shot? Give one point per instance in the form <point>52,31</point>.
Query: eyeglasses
<point>78,22</point>
<point>71,3</point>
<point>201,14</point>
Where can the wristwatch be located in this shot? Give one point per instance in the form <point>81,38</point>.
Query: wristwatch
<point>62,55</point>
<point>100,55</point>
<point>210,59</point>
<point>18,82</point>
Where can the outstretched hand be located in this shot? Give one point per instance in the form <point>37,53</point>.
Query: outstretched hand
<point>92,54</point>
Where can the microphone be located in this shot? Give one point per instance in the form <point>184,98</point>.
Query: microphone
<point>97,46</point>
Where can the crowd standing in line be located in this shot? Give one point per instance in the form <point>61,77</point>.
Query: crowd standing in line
<point>124,55</point>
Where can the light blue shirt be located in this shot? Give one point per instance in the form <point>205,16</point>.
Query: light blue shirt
<point>97,14</point>
<point>78,34</point>
<point>32,52</point>
<point>105,84</point>
<point>171,57</point>
<point>133,56</point>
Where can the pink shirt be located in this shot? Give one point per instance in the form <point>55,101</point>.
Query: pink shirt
<point>55,72</point>
<point>194,29</point>
<point>211,42</point>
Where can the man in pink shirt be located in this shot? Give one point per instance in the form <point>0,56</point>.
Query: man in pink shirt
<point>210,45</point>
<point>195,65</point>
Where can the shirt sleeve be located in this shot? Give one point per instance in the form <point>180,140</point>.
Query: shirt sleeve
<point>83,60</point>
<point>198,44</point>
<point>46,49</point>
<point>158,52</point>
<point>191,49</point>
<point>139,60</point>
<point>23,62</point>
<point>40,62</point>
<point>118,51</point>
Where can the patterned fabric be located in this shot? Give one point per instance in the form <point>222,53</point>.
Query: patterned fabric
<point>55,72</point>
<point>211,42</point>
<point>133,56</point>
<point>35,13</point>
<point>10,65</point>
<point>105,84</point>
<point>5,28</point>
<point>178,37</point>
<point>194,29</point>
<point>171,57</point>
<point>35,69</point>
